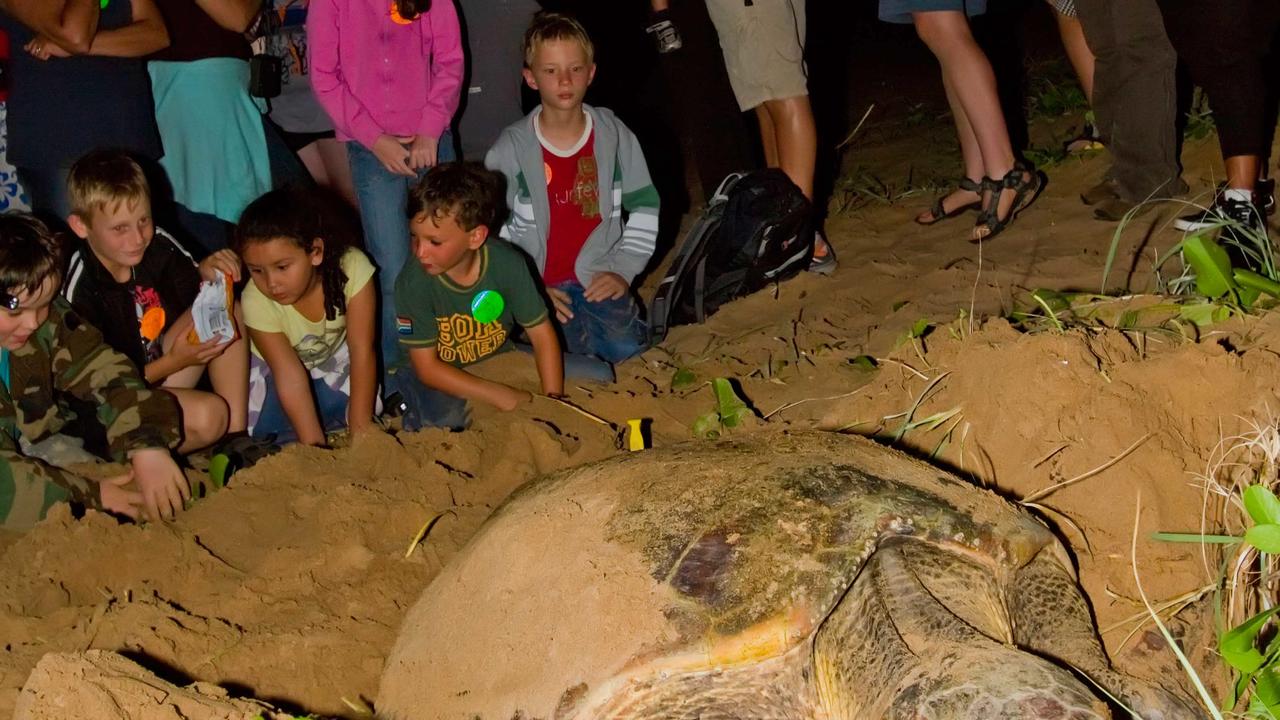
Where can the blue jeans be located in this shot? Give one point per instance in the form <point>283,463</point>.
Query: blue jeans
<point>382,197</point>
<point>331,406</point>
<point>611,330</point>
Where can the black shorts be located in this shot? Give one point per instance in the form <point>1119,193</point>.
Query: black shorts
<point>297,141</point>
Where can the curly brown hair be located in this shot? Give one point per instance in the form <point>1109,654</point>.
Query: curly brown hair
<point>465,190</point>
<point>298,215</point>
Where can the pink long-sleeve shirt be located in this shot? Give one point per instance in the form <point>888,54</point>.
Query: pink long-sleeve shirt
<point>374,75</point>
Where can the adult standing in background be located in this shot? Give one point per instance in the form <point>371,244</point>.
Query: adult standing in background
<point>389,74</point>
<point>993,182</point>
<point>763,47</point>
<point>215,141</point>
<point>1225,45</point>
<point>1134,104</point>
<point>75,84</point>
<point>304,126</point>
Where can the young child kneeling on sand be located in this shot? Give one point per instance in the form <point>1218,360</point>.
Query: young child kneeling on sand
<point>49,353</point>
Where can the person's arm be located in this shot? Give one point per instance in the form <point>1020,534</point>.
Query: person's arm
<point>546,355</point>
<point>347,113</point>
<point>448,62</point>
<point>182,355</point>
<point>233,15</point>
<point>440,375</point>
<point>29,472</point>
<point>139,422</point>
<point>71,24</point>
<point>293,385</point>
<point>361,314</point>
<point>640,203</point>
<point>145,35</point>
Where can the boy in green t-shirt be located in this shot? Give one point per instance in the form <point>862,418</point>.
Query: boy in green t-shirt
<point>461,301</point>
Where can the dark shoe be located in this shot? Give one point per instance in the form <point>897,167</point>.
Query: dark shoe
<point>1242,218</point>
<point>1026,183</point>
<point>1106,190</point>
<point>235,453</point>
<point>1117,209</point>
<point>665,34</point>
<point>1264,194</point>
<point>938,212</point>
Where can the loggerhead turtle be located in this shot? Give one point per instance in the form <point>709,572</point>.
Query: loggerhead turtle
<point>806,576</point>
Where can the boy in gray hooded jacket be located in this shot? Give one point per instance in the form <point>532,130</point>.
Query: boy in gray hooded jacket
<point>572,172</point>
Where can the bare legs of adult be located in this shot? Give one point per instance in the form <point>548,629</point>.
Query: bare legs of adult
<point>326,161</point>
<point>1078,52</point>
<point>1243,171</point>
<point>790,140</point>
<point>975,105</point>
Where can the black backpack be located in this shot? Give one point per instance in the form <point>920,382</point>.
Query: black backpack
<point>757,229</point>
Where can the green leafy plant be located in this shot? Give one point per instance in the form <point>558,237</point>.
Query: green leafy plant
<point>1231,272</point>
<point>730,412</point>
<point>1242,479</point>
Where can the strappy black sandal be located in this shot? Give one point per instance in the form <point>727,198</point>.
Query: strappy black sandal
<point>1025,181</point>
<point>938,213</point>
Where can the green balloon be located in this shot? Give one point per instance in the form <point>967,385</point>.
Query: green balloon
<point>487,306</point>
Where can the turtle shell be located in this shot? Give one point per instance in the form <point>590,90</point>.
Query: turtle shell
<point>702,556</point>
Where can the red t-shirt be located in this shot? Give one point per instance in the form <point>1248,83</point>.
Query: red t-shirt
<point>573,191</point>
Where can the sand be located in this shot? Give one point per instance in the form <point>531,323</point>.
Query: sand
<point>290,585</point>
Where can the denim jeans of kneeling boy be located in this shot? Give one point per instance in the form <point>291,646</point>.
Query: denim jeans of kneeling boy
<point>611,330</point>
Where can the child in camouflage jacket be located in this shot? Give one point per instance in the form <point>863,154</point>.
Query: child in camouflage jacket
<point>48,353</point>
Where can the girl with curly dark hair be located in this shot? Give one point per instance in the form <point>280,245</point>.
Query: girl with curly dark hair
<point>311,312</point>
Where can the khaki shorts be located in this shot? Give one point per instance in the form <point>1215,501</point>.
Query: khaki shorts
<point>763,48</point>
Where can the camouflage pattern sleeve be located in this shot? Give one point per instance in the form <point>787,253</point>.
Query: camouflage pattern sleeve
<point>84,366</point>
<point>29,487</point>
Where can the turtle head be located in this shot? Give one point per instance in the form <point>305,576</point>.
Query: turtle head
<point>1150,702</point>
<point>996,683</point>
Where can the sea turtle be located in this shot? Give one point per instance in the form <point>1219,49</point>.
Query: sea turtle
<point>806,575</point>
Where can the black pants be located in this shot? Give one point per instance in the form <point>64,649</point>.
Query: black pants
<point>1224,44</point>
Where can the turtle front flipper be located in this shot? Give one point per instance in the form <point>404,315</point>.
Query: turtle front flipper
<point>1050,616</point>
<point>893,649</point>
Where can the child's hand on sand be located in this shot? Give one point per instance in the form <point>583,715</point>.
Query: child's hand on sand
<point>115,498</point>
<point>164,487</point>
<point>508,398</point>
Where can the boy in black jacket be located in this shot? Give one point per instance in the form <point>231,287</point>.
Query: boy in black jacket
<point>139,294</point>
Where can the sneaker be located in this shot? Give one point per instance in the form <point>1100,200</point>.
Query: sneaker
<point>666,35</point>
<point>826,263</point>
<point>1242,215</point>
<point>1264,193</point>
<point>235,453</point>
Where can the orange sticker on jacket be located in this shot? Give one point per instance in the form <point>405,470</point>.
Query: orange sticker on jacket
<point>152,324</point>
<point>396,17</point>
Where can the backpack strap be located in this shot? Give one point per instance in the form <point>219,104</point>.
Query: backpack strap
<point>700,290</point>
